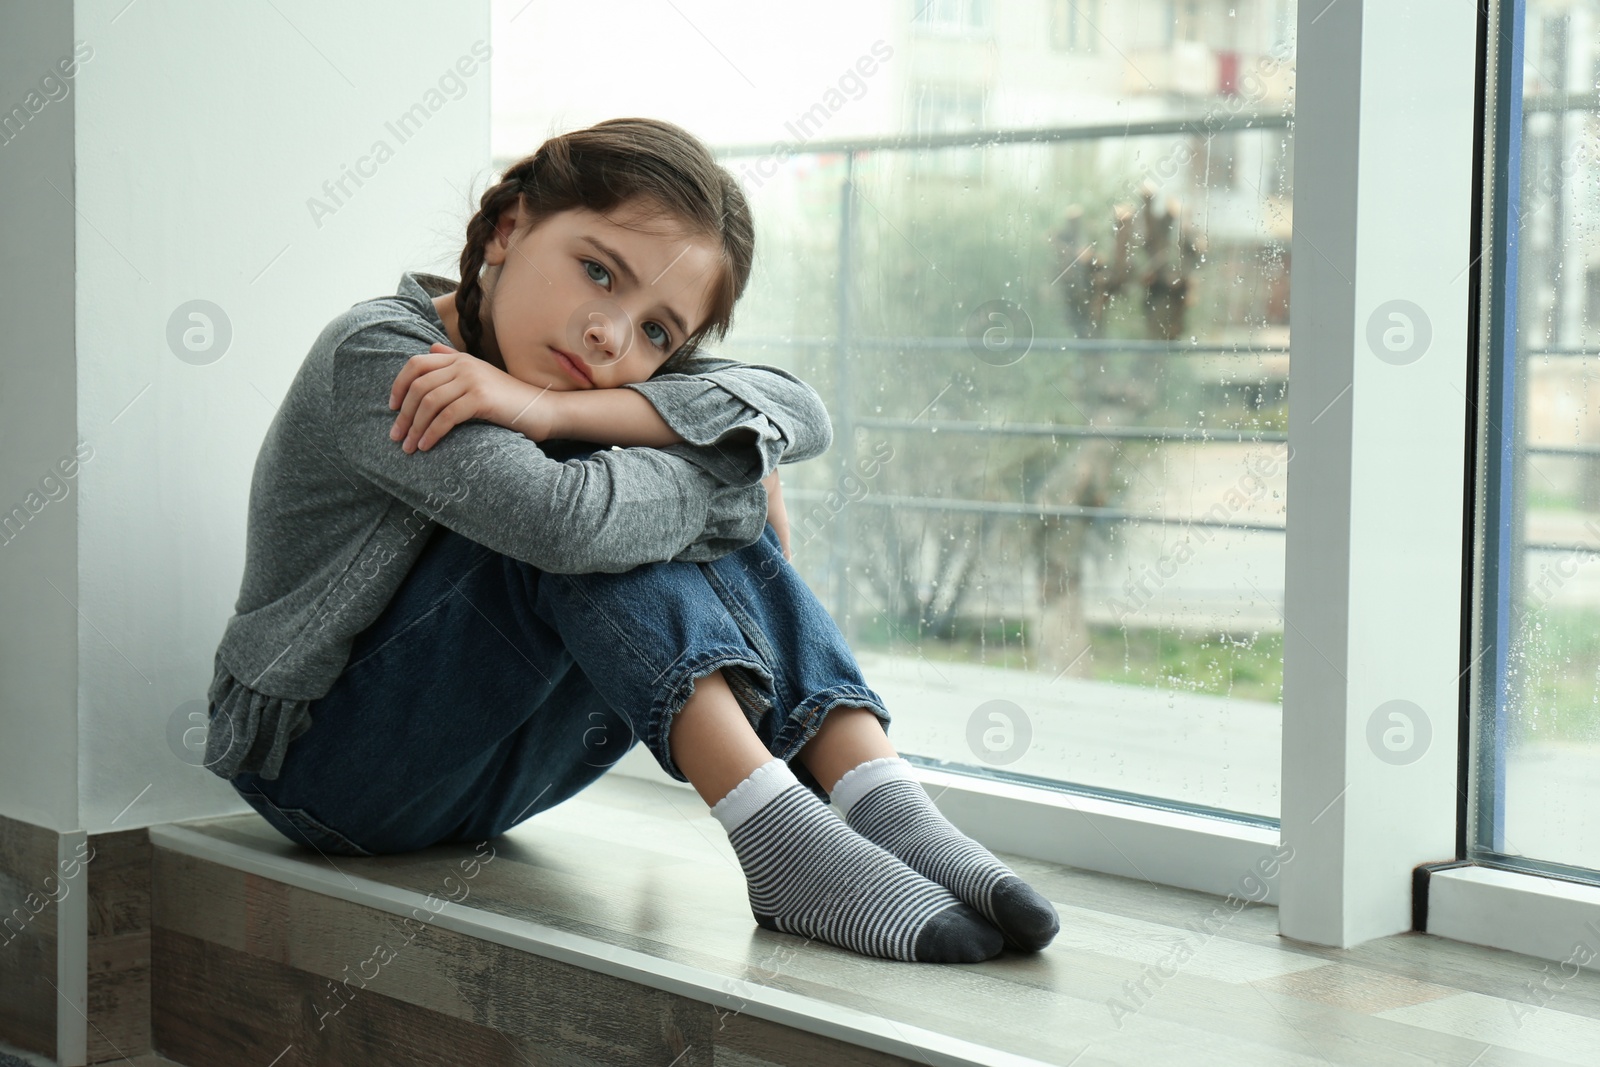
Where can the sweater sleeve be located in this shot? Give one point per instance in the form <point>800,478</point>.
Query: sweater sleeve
<point>738,420</point>
<point>612,511</point>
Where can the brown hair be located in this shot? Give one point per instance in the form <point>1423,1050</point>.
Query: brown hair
<point>601,167</point>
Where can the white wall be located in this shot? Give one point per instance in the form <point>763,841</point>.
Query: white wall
<point>201,132</point>
<point>38,421</point>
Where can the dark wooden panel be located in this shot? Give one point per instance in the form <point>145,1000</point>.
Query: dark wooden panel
<point>339,972</point>
<point>321,959</point>
<point>119,945</point>
<point>745,1041</point>
<point>28,856</point>
<point>213,1005</point>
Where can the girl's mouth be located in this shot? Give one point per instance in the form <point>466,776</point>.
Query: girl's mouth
<point>573,369</point>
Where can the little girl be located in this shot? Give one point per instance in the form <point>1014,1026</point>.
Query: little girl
<point>481,611</point>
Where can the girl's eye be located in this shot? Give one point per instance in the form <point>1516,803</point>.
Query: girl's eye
<point>666,336</point>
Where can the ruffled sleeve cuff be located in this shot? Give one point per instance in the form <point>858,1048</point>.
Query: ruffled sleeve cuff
<point>722,434</point>
<point>735,517</point>
<point>250,731</point>
<point>740,420</point>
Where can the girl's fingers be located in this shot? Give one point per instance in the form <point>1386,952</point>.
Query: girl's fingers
<point>415,393</point>
<point>417,364</point>
<point>427,428</point>
<point>403,380</point>
<point>446,420</point>
<point>427,407</point>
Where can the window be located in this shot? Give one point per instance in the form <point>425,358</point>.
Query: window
<point>1186,24</point>
<point>948,109</point>
<point>1539,679</point>
<point>959,15</point>
<point>1056,357</point>
<point>1074,25</point>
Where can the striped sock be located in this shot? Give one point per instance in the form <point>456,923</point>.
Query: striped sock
<point>886,805</point>
<point>810,874</point>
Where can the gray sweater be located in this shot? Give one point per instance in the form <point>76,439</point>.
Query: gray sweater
<point>339,512</point>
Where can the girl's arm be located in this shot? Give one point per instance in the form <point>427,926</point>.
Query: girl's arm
<point>719,410</point>
<point>608,417</point>
<point>624,417</point>
<point>462,388</point>
<point>712,414</point>
<point>611,511</point>
<point>738,420</point>
<point>735,420</point>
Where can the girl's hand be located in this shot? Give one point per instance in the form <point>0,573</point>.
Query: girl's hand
<point>777,514</point>
<point>442,388</point>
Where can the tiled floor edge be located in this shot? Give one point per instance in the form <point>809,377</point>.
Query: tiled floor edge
<point>774,1005</point>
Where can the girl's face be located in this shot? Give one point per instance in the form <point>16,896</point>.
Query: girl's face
<point>615,302</point>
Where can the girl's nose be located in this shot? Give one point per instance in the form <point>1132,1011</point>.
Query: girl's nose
<point>607,335</point>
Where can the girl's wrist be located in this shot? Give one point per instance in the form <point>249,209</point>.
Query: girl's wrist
<point>534,412</point>
<point>612,416</point>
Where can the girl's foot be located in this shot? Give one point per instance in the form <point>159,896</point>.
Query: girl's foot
<point>887,806</point>
<point>810,874</point>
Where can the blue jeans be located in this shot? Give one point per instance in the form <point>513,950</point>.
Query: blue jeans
<point>490,690</point>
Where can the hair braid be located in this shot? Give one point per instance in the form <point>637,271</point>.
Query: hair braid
<point>496,200</point>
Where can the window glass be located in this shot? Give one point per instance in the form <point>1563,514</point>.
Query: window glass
<point>1035,257</point>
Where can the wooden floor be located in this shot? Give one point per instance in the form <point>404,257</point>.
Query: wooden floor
<point>149,1059</point>
<point>1139,974</point>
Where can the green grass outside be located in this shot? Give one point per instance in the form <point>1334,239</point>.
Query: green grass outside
<point>1555,674</point>
<point>1555,663</point>
<point>1244,666</point>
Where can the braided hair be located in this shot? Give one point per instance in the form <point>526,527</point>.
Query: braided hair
<point>606,165</point>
